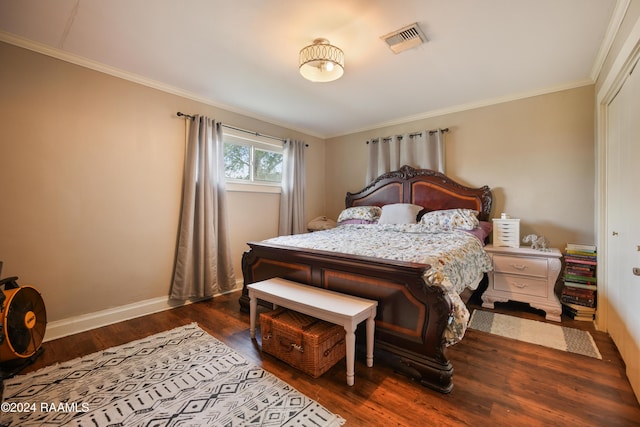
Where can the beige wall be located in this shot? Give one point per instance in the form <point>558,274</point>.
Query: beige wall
<point>90,183</point>
<point>537,155</point>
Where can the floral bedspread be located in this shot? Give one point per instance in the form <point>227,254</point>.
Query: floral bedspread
<point>457,258</point>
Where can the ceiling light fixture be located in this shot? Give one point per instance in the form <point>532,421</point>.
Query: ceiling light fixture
<point>321,61</point>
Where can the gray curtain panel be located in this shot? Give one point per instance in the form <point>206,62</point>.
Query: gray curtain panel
<point>421,150</point>
<point>292,213</point>
<point>203,265</point>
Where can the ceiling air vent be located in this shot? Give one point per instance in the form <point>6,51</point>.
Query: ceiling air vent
<point>405,38</point>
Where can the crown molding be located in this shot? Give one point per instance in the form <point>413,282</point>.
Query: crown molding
<point>470,106</point>
<point>135,78</point>
<point>612,30</point>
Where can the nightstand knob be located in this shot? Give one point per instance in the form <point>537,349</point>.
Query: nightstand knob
<point>520,267</point>
<point>615,233</point>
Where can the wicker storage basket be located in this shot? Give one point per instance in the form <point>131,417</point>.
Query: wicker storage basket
<point>306,343</point>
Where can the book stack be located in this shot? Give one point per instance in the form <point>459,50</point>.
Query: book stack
<point>578,295</point>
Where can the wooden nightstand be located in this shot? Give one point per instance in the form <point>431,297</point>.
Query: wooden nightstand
<point>525,275</point>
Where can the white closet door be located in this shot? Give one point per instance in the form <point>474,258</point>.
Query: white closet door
<point>623,223</point>
<point>614,217</point>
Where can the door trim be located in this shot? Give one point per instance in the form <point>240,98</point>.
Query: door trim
<point>625,60</point>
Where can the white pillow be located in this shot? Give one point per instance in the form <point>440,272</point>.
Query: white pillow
<point>399,213</point>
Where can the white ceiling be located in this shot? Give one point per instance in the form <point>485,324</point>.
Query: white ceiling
<point>243,55</point>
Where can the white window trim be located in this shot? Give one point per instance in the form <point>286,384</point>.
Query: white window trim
<point>252,187</point>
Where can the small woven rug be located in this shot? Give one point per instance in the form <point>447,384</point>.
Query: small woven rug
<point>535,332</point>
<point>182,377</point>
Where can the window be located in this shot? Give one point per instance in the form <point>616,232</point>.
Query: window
<point>250,159</point>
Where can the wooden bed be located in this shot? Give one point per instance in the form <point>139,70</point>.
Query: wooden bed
<point>412,316</point>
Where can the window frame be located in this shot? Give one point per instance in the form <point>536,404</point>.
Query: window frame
<point>237,137</point>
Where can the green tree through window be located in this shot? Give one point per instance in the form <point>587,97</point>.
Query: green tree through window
<point>249,160</point>
<point>237,161</point>
<point>267,166</point>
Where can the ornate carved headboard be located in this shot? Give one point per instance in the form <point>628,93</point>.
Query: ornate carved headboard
<point>430,189</point>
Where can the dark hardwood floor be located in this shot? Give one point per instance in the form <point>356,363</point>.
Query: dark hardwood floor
<point>498,381</point>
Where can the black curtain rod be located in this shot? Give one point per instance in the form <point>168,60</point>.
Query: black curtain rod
<point>185,115</point>
<point>254,133</point>
<point>240,130</point>
<point>180,114</point>
<point>431,132</point>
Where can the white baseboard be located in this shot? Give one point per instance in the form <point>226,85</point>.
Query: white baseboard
<point>85,322</point>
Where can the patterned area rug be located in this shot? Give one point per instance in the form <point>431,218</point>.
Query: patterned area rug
<point>535,332</point>
<point>183,377</point>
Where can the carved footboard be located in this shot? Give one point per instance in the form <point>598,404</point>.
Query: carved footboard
<point>411,316</point>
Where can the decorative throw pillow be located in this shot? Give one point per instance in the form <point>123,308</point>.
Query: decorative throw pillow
<point>360,215</point>
<point>449,219</point>
<point>399,213</point>
<point>483,231</point>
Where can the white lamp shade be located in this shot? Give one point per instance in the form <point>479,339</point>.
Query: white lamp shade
<point>321,62</point>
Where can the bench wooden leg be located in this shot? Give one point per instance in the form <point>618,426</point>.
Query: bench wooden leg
<point>350,341</point>
<point>371,325</point>
<point>253,307</point>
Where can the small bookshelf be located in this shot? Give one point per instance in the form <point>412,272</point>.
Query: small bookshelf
<point>580,287</point>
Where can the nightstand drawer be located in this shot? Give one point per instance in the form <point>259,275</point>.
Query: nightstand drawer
<point>518,265</point>
<point>520,285</point>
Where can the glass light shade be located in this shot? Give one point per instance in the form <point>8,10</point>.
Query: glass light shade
<point>321,62</point>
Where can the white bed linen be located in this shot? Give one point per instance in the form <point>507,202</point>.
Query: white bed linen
<point>457,258</point>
